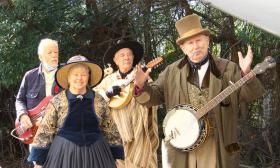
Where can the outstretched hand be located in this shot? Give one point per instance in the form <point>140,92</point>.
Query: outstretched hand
<point>245,62</point>
<point>141,77</point>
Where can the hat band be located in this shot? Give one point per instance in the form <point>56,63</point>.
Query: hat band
<point>191,32</point>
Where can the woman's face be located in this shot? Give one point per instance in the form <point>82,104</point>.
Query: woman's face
<point>78,77</point>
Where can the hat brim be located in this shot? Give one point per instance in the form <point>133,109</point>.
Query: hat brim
<point>136,48</point>
<point>192,34</point>
<point>96,74</point>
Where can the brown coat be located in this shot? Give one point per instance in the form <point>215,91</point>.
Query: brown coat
<point>171,89</point>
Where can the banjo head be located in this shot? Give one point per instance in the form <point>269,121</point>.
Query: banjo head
<point>181,127</point>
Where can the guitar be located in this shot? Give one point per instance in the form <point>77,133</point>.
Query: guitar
<point>186,128</point>
<point>27,135</point>
<point>120,101</point>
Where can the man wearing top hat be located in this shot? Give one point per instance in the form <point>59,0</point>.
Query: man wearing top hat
<point>195,79</point>
<point>135,122</point>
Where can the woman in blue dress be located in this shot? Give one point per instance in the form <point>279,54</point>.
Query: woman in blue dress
<point>71,133</point>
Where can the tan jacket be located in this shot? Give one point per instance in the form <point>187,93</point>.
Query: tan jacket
<point>171,89</point>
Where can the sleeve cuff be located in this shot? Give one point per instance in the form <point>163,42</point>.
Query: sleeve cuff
<point>117,151</point>
<point>137,90</point>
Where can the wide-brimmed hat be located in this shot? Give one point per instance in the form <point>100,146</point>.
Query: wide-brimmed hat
<point>136,48</point>
<point>61,75</point>
<point>189,26</point>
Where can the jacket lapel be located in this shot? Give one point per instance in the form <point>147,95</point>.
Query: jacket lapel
<point>182,77</point>
<point>215,86</point>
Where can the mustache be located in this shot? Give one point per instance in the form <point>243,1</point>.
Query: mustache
<point>195,53</point>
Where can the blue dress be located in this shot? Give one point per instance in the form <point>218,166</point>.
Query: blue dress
<point>79,143</point>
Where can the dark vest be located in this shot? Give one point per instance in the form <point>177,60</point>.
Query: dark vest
<point>81,124</point>
<point>199,96</point>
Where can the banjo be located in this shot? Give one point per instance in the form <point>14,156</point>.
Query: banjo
<point>186,128</point>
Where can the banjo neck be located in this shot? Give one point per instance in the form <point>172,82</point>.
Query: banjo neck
<point>268,63</point>
<point>224,94</point>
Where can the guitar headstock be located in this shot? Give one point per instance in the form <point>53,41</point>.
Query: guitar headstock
<point>154,62</point>
<point>108,70</point>
<point>268,62</point>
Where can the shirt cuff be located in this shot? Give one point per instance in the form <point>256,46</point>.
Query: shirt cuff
<point>137,90</point>
<point>117,151</point>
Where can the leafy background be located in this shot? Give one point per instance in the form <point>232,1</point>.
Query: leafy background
<point>89,27</point>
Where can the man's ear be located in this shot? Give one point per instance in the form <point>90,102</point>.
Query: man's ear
<point>40,57</point>
<point>182,47</point>
<point>208,38</point>
<point>114,59</point>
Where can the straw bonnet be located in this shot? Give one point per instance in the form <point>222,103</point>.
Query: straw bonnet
<point>61,75</point>
<point>189,26</point>
<point>136,48</point>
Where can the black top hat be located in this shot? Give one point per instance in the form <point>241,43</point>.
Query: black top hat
<point>136,48</point>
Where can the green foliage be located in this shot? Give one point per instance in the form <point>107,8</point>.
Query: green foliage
<point>262,42</point>
<point>82,28</point>
<point>26,22</point>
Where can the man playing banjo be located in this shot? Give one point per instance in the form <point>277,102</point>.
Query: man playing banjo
<point>194,80</point>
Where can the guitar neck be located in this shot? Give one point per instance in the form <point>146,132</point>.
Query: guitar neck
<point>34,118</point>
<point>151,64</point>
<point>127,82</point>
<point>224,94</point>
<point>131,79</point>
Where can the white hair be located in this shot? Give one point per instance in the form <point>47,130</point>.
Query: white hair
<point>43,43</point>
